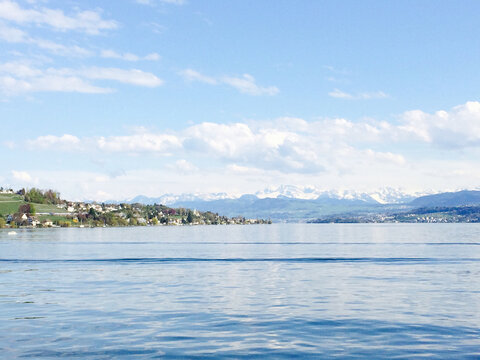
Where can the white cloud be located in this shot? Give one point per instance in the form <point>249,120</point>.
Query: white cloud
<point>373,95</point>
<point>246,84</point>
<point>220,139</point>
<point>61,49</point>
<point>88,21</point>
<point>184,167</point>
<point>243,170</point>
<point>152,57</point>
<point>66,84</point>
<point>141,142</point>
<point>19,69</point>
<point>387,157</point>
<point>457,128</point>
<point>14,35</point>
<point>163,144</point>
<point>111,54</point>
<point>339,94</point>
<point>22,176</point>
<point>192,75</point>
<point>131,76</point>
<point>63,142</point>
<point>48,83</point>
<point>20,77</point>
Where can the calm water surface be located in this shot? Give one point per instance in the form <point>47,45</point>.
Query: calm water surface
<point>364,291</point>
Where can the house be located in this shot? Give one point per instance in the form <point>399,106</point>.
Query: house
<point>174,222</point>
<point>98,208</point>
<point>47,223</point>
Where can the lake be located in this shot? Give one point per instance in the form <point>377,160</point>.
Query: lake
<point>358,291</point>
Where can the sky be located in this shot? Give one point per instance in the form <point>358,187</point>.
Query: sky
<point>111,99</point>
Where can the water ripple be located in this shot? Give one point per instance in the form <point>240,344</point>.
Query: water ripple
<point>240,260</point>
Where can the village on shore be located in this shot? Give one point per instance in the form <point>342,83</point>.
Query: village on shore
<point>37,208</point>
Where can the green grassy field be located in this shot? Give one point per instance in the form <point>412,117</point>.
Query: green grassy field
<point>9,207</point>
<point>43,208</point>
<point>55,218</point>
<point>9,204</point>
<point>11,197</point>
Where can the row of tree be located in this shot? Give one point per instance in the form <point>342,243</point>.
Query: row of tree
<point>38,196</point>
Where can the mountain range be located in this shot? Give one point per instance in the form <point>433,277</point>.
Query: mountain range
<point>383,196</point>
<point>294,203</point>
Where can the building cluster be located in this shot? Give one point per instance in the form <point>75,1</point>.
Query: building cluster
<point>459,214</point>
<point>82,214</point>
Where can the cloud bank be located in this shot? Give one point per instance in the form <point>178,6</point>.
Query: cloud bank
<point>291,145</point>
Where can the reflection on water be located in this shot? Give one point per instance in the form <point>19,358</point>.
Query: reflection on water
<point>283,291</point>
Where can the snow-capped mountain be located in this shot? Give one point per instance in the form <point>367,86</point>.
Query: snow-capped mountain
<point>389,195</point>
<point>169,199</point>
<point>385,195</point>
<point>290,191</point>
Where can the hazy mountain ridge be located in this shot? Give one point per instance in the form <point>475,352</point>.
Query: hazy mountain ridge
<point>293,203</point>
<point>458,198</point>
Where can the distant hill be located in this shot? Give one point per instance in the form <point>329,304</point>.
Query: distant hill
<point>280,208</point>
<point>284,203</point>
<point>293,204</point>
<point>459,198</point>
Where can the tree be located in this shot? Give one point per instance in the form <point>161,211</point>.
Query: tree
<point>2,223</point>
<point>26,209</point>
<point>35,196</point>
<point>190,216</point>
<point>164,220</point>
<point>52,197</point>
<point>92,213</point>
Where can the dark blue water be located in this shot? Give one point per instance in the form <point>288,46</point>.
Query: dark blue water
<point>400,291</point>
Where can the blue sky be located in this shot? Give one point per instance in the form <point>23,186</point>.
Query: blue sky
<point>103,100</point>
